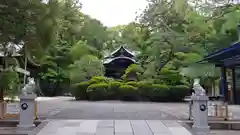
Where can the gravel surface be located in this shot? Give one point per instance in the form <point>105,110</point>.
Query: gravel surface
<point>64,107</point>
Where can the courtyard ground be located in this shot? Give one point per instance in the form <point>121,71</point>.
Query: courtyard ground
<point>107,118</point>
<point>70,117</point>
<point>65,108</point>
<point>118,118</point>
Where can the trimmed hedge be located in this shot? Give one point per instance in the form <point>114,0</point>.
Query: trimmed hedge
<point>79,90</point>
<point>145,91</point>
<point>159,93</point>
<point>132,83</point>
<point>101,88</point>
<point>114,90</point>
<point>177,93</point>
<point>128,92</point>
<point>97,91</point>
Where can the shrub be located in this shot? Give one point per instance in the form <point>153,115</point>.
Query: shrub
<point>177,93</point>
<point>145,90</point>
<point>129,93</point>
<point>97,91</point>
<point>114,90</point>
<point>100,79</point>
<point>168,76</point>
<point>159,93</point>
<point>132,83</point>
<point>79,90</point>
<point>101,88</point>
<point>133,72</point>
<point>85,68</point>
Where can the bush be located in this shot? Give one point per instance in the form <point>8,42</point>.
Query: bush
<point>100,79</point>
<point>114,90</point>
<point>159,93</point>
<point>177,93</point>
<point>97,91</point>
<point>133,72</point>
<point>79,90</point>
<point>132,83</point>
<point>102,88</point>
<point>168,76</point>
<point>145,91</point>
<point>85,68</point>
<point>128,93</point>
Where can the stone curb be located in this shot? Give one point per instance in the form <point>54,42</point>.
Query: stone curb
<point>39,127</point>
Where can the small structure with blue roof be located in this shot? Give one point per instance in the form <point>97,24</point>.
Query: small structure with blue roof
<point>228,59</point>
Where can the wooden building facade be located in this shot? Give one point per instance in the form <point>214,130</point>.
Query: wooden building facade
<point>118,61</point>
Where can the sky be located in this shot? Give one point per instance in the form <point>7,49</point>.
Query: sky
<point>113,12</point>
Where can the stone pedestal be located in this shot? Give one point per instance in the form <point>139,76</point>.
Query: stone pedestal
<point>27,110</point>
<point>200,114</point>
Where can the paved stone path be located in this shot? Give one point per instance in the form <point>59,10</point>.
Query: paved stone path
<point>224,132</point>
<point>117,118</point>
<point>113,127</point>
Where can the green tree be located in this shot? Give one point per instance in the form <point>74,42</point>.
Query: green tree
<point>80,49</point>
<point>182,33</point>
<point>85,68</point>
<point>133,72</point>
<point>94,33</point>
<point>29,25</point>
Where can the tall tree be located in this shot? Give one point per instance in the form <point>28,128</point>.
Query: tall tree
<point>29,25</point>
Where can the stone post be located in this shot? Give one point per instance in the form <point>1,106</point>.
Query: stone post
<point>27,110</point>
<point>200,114</point>
<point>200,108</point>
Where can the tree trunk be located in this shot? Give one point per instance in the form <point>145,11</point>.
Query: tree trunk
<point>5,66</point>
<point>170,56</point>
<point>2,88</point>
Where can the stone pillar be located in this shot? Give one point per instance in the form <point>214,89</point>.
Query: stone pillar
<point>27,110</point>
<point>200,113</point>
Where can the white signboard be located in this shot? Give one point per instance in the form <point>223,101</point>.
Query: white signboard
<point>13,108</point>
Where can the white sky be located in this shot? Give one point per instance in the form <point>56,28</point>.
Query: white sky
<point>113,12</point>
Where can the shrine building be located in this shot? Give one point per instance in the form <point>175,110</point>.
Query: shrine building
<point>118,61</point>
<point>228,59</point>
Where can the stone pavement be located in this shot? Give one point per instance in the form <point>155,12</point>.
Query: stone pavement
<point>102,110</point>
<point>15,131</point>
<point>224,132</point>
<point>62,108</point>
<point>234,111</point>
<point>114,127</point>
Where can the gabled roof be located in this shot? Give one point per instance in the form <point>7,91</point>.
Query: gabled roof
<point>109,60</point>
<point>223,54</point>
<point>13,48</point>
<point>131,53</point>
<point>122,47</point>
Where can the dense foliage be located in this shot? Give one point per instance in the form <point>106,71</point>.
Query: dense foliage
<point>68,46</point>
<point>101,88</point>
